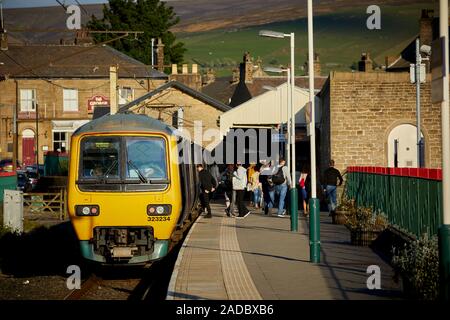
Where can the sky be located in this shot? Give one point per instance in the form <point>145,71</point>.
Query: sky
<point>43,3</point>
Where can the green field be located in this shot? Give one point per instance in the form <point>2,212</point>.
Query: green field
<point>339,39</point>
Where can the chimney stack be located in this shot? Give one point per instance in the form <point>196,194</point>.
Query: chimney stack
<point>113,73</point>
<point>160,55</point>
<point>246,69</point>
<point>174,69</point>
<point>365,64</point>
<point>184,69</point>
<point>426,27</point>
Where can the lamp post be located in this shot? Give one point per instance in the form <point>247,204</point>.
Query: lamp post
<point>444,230</point>
<point>314,205</point>
<point>293,190</point>
<point>288,141</point>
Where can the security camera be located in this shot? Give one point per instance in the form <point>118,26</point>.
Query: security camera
<point>425,49</point>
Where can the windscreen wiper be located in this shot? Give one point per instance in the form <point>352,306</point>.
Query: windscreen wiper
<point>141,176</point>
<point>112,166</point>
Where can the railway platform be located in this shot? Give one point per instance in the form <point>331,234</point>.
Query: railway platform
<point>259,258</point>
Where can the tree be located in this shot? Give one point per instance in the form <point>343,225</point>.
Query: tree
<point>151,16</point>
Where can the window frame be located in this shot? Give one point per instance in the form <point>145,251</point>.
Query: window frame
<point>33,100</point>
<point>122,183</point>
<point>67,102</point>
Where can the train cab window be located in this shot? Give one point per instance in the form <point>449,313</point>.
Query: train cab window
<point>100,158</point>
<point>146,157</point>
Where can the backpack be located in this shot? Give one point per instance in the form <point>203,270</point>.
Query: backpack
<point>278,178</point>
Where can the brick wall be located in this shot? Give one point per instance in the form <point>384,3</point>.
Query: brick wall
<point>359,111</point>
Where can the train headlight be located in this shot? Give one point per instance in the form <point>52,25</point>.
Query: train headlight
<point>159,209</point>
<point>87,210</point>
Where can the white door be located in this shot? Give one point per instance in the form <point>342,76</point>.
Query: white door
<point>402,146</point>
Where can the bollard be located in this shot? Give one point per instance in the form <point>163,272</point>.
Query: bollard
<point>294,209</point>
<point>314,230</point>
<point>444,261</point>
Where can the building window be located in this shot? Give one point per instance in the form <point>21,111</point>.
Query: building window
<point>126,95</point>
<point>60,141</point>
<point>27,100</point>
<point>70,97</point>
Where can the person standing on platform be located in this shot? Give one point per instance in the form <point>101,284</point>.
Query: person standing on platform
<point>239,185</point>
<point>305,188</point>
<point>226,179</point>
<point>282,180</point>
<point>331,177</point>
<point>207,186</point>
<point>256,187</point>
<point>268,188</point>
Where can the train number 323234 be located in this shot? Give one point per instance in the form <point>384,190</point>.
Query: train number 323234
<point>158,218</point>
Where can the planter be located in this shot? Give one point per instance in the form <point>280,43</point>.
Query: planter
<point>340,217</point>
<point>360,237</point>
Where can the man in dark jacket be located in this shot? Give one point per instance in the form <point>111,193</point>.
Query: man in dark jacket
<point>207,186</point>
<point>330,179</point>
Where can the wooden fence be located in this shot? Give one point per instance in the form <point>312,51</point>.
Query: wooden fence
<point>53,202</point>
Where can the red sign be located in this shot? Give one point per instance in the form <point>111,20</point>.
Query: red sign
<point>97,101</point>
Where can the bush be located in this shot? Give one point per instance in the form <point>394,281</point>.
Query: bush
<point>348,205</point>
<point>364,218</point>
<point>418,264</point>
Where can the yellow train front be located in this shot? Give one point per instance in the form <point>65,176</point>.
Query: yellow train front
<point>127,194</point>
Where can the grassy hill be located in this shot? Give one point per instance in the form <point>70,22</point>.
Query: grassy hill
<point>339,38</point>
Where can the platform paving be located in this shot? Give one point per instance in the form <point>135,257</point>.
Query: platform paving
<point>260,258</point>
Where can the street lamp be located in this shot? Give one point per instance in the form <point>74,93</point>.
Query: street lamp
<point>314,205</point>
<point>293,190</point>
<point>281,70</point>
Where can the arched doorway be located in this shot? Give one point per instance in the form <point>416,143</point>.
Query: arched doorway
<point>28,147</point>
<point>402,146</point>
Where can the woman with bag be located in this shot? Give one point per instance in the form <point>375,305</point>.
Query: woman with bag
<point>304,186</point>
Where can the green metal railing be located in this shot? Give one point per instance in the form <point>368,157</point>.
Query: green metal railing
<point>411,198</point>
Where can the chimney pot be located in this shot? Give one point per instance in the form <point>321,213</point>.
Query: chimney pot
<point>185,69</point>
<point>174,69</point>
<point>194,68</point>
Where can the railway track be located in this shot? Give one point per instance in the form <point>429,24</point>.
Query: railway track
<point>147,283</point>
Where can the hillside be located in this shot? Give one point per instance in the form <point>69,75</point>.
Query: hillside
<point>218,32</point>
<point>340,38</point>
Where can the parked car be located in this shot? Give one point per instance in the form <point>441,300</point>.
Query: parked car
<point>33,168</point>
<point>23,181</point>
<point>6,165</point>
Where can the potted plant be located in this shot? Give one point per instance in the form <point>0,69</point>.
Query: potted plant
<point>365,225</point>
<point>346,207</point>
<point>417,263</point>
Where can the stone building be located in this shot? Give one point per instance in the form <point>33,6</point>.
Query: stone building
<point>180,106</point>
<point>369,118</point>
<point>58,87</point>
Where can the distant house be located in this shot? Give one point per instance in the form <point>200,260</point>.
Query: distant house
<point>180,106</point>
<point>59,87</point>
<point>253,81</point>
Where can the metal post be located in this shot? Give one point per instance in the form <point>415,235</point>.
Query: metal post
<point>37,137</point>
<point>314,206</point>
<point>417,78</point>
<point>288,123</point>
<point>153,52</point>
<point>444,230</point>
<point>293,191</point>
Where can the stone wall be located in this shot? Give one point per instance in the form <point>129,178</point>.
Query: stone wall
<point>359,111</point>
